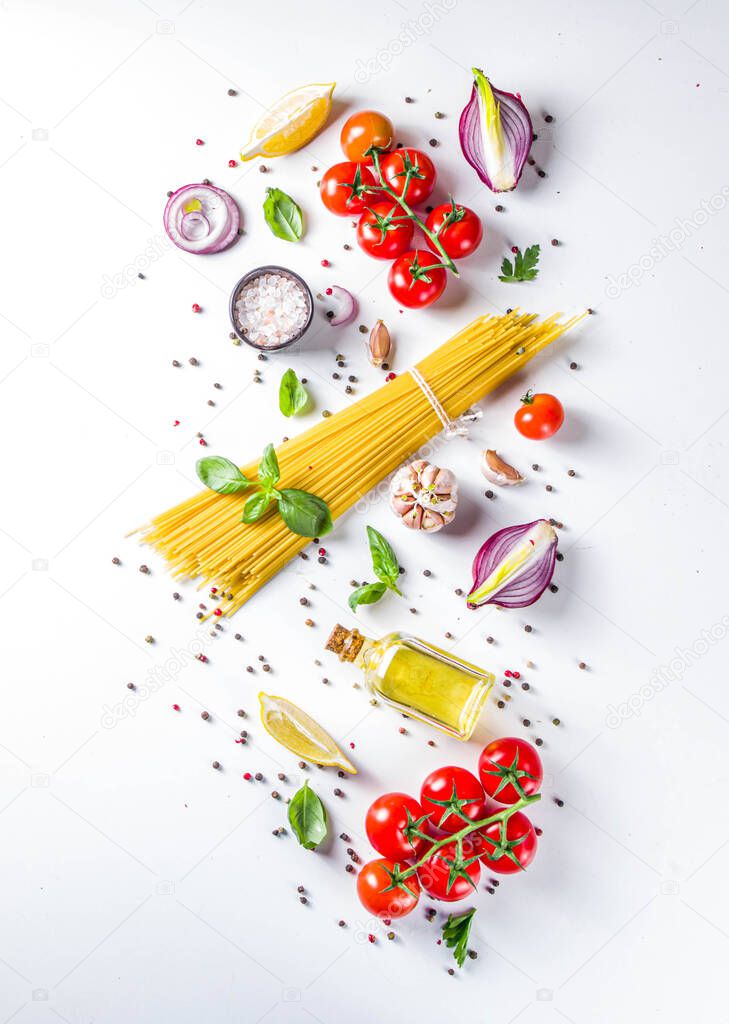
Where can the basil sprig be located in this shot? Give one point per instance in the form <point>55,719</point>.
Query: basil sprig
<point>283,215</point>
<point>303,513</point>
<point>386,568</point>
<point>308,817</point>
<point>292,395</point>
<point>221,475</point>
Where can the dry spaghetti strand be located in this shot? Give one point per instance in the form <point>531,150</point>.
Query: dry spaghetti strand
<point>343,457</point>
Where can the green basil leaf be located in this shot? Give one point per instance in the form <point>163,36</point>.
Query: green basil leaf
<point>221,475</point>
<point>455,934</point>
<point>384,560</point>
<point>368,594</point>
<point>283,215</point>
<point>304,513</point>
<point>268,471</point>
<point>256,506</point>
<point>292,395</point>
<point>308,817</point>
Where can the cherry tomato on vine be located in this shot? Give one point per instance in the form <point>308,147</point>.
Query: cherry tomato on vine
<point>343,188</point>
<point>450,792</point>
<point>506,848</point>
<point>384,231</point>
<point>385,821</point>
<point>443,867</point>
<point>510,768</point>
<point>412,283</point>
<point>376,896</point>
<point>462,233</point>
<point>395,167</point>
<point>364,129</point>
<point>539,417</point>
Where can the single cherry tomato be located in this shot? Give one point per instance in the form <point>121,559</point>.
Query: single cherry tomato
<point>344,188</point>
<point>384,231</point>
<point>414,281</point>
<point>510,768</point>
<point>385,822</point>
<point>445,877</point>
<point>462,233</point>
<point>364,129</point>
<point>539,417</point>
<point>376,892</point>
<point>409,173</point>
<point>506,847</point>
<point>451,794</point>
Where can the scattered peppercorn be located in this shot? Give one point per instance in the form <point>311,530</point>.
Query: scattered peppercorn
<point>342,924</point>
<point>488,494</point>
<point>539,741</point>
<point>489,639</point>
<point>527,629</point>
<point>559,803</point>
<point>263,168</point>
<point>432,142</point>
<point>582,665</point>
<point>573,366</point>
<point>409,99</point>
<point>205,715</point>
<point>216,765</point>
<point>338,792</point>
<point>349,868</point>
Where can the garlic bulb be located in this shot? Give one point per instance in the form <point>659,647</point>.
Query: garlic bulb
<point>424,496</point>
<point>497,471</point>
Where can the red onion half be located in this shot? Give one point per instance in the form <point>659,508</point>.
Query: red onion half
<point>345,303</point>
<point>201,219</point>
<point>515,566</point>
<point>495,131</point>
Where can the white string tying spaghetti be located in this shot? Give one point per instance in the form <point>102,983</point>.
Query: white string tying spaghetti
<point>452,428</point>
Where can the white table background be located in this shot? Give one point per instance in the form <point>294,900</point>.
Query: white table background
<point>139,884</point>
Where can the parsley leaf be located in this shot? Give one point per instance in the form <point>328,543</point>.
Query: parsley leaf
<point>524,268</point>
<point>455,934</point>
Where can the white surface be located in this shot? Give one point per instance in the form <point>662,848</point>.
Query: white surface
<point>139,884</point>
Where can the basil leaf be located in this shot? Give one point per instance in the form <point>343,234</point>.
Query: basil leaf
<point>283,215</point>
<point>308,817</point>
<point>304,513</point>
<point>221,475</point>
<point>368,594</point>
<point>292,395</point>
<point>268,471</point>
<point>255,507</point>
<point>384,560</point>
<point>455,934</point>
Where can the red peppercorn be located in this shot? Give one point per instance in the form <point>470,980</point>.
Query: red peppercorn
<point>175,423</point>
<point>232,163</point>
<point>507,673</point>
<point>175,707</point>
<point>516,675</point>
<point>322,551</point>
<point>351,746</point>
<point>515,248</point>
<point>218,611</point>
<point>325,263</point>
<point>203,442</point>
<point>370,937</point>
<point>203,658</point>
<point>247,776</point>
<point>213,590</point>
<point>328,291</point>
<point>196,307</point>
<point>199,142</point>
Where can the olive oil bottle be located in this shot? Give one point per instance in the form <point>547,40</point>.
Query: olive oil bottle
<point>417,678</point>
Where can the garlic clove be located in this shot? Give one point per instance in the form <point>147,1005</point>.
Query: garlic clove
<point>379,345</point>
<point>497,471</point>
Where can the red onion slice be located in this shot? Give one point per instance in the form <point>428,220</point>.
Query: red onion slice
<point>345,303</point>
<point>495,131</point>
<point>515,566</point>
<point>201,219</point>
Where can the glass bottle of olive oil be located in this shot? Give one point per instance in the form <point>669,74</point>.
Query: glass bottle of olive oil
<point>417,678</point>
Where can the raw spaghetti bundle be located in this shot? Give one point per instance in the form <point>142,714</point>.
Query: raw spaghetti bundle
<point>345,456</point>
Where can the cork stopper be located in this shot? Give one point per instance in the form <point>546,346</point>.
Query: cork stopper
<point>345,643</point>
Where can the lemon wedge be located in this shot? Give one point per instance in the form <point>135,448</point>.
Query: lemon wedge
<point>291,122</point>
<point>299,733</point>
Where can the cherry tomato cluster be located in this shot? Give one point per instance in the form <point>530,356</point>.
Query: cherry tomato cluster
<point>381,186</point>
<point>439,843</point>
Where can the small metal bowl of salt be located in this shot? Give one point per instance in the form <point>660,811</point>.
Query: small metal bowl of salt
<point>271,308</point>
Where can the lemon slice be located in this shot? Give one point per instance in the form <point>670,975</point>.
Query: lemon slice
<point>299,733</point>
<point>291,122</point>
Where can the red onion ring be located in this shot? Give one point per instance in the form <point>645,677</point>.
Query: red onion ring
<point>347,305</point>
<point>212,228</point>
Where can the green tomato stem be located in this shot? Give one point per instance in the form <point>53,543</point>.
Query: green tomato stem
<point>448,263</point>
<point>471,827</point>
